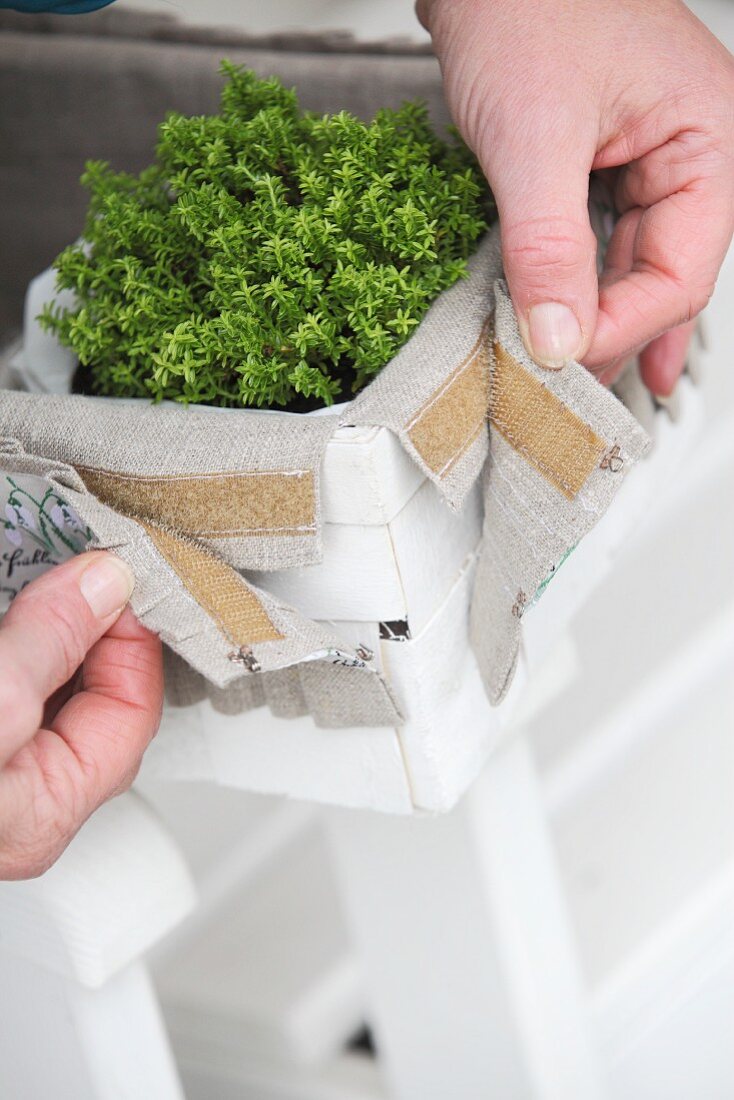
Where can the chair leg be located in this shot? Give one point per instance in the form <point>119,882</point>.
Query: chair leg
<point>78,1015</point>
<point>59,1039</point>
<point>470,966</point>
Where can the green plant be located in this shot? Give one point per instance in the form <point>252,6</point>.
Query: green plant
<point>269,256</point>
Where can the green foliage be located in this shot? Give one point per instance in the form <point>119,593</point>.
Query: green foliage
<point>268,256</point>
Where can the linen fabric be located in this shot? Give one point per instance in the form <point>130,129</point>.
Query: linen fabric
<point>548,480</point>
<point>214,476</point>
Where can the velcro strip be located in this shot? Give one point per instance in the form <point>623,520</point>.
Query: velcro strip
<point>215,505</point>
<point>217,588</point>
<point>549,435</point>
<point>452,418</point>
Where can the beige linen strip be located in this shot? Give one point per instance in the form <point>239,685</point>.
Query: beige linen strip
<point>217,588</point>
<point>449,422</point>
<point>215,505</point>
<point>537,424</point>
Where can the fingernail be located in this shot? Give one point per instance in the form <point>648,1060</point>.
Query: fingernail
<point>106,585</point>
<point>554,332</point>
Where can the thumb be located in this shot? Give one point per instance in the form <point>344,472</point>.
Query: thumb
<point>47,633</point>
<point>548,247</point>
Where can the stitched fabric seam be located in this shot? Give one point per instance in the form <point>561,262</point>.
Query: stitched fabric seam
<point>210,475</point>
<point>254,532</point>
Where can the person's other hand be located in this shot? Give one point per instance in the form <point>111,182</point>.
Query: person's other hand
<point>81,688</point>
<point>544,91</point>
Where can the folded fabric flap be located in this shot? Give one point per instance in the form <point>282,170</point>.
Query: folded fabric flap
<point>207,612</point>
<point>560,445</point>
<point>434,393</point>
<point>335,696</point>
<point>281,691</point>
<point>221,626</point>
<point>243,482</point>
<point>184,687</point>
<point>15,459</point>
<point>347,695</point>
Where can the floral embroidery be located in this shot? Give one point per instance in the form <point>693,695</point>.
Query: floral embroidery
<point>44,520</point>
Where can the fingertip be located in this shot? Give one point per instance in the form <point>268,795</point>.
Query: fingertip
<point>552,334</point>
<point>659,380</point>
<point>106,583</point>
<point>663,360</point>
<point>550,267</point>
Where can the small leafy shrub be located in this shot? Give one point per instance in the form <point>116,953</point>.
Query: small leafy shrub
<point>269,256</point>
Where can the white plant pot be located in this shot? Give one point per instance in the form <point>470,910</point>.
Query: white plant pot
<point>395,578</point>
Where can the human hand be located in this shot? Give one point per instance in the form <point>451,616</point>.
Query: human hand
<point>544,91</point>
<point>81,687</point>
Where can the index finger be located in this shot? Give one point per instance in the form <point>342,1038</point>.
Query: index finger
<point>678,247</point>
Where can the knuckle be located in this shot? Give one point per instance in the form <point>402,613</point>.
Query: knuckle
<point>689,302</point>
<point>547,249</point>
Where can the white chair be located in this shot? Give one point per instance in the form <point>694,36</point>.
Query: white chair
<point>459,920</point>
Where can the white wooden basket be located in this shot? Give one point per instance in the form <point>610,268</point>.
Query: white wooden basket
<point>396,579</point>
